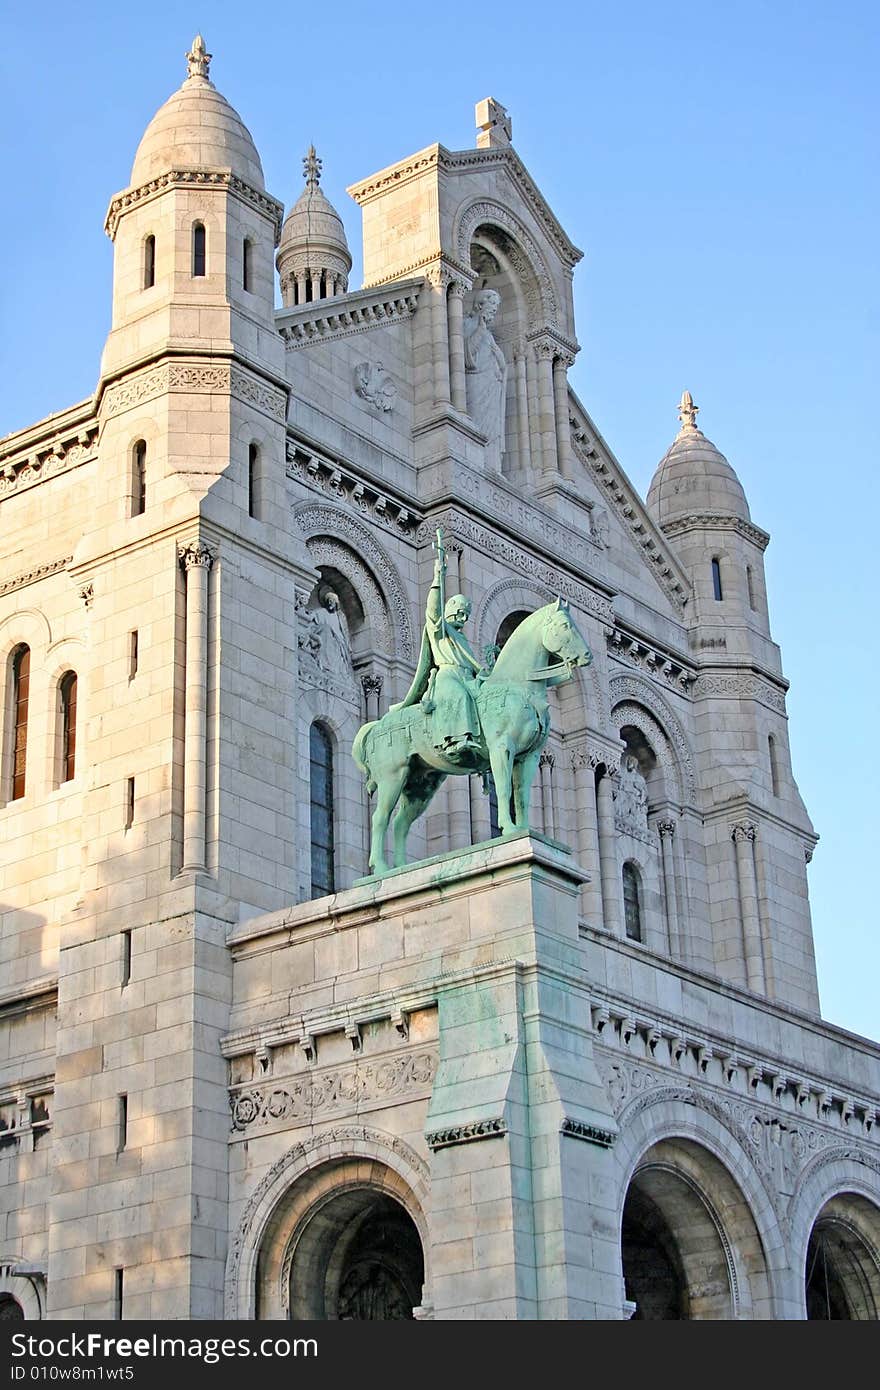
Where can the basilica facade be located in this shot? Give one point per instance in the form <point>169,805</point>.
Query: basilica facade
<point>578,1073</point>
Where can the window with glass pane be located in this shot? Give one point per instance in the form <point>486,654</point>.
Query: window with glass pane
<point>632,913</point>
<point>21,681</point>
<point>321,761</point>
<point>68,726</point>
<point>199,258</point>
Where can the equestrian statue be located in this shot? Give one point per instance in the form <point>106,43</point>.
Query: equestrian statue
<point>462,717</point>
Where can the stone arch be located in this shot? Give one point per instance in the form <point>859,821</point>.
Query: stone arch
<point>839,1188</point>
<point>635,702</point>
<point>27,1288</point>
<point>710,1152</point>
<point>396,1168</point>
<point>335,539</point>
<point>26,625</point>
<point>521,249</point>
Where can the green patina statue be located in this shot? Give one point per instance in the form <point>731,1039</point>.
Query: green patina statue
<point>460,717</point>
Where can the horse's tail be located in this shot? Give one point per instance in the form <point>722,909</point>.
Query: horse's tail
<point>357,752</point>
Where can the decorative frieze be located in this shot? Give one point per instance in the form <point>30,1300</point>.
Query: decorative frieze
<point>741,685</point>
<point>305,1099</point>
<point>204,178</point>
<point>33,576</point>
<point>46,459</point>
<point>464,528</point>
<point>466,1134</point>
<point>717,522</point>
<point>194,377</point>
<point>576,1129</point>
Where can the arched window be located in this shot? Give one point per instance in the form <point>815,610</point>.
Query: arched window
<point>10,1309</point>
<point>68,727</point>
<point>198,249</point>
<point>139,478</point>
<point>632,911</point>
<point>321,782</point>
<point>21,680</point>
<point>254,482</point>
<point>716,579</point>
<point>149,262</point>
<point>774,764</point>
<point>246,265</point>
<point>750,585</point>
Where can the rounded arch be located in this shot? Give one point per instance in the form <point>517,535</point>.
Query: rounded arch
<point>635,703</point>
<point>28,626</point>
<point>709,1152</point>
<point>28,1290</point>
<point>521,249</point>
<point>838,1190</point>
<point>399,1171</point>
<point>339,541</point>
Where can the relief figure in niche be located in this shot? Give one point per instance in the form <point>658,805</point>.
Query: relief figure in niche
<point>631,798</point>
<point>485,373</point>
<point>328,640</point>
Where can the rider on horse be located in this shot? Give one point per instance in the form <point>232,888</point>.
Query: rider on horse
<point>448,675</point>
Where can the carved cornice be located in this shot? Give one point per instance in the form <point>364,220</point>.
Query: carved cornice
<point>203,178</point>
<point>627,507</point>
<point>466,1134</point>
<point>650,659</point>
<point>456,524</point>
<point>329,319</point>
<point>576,1129</point>
<point>221,378</point>
<point>45,458</point>
<point>712,521</point>
<point>20,581</point>
<point>740,685</point>
<point>331,479</point>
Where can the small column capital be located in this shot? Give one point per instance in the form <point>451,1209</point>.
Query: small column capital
<point>372,684</point>
<point>742,831</point>
<point>666,828</point>
<point>192,554</point>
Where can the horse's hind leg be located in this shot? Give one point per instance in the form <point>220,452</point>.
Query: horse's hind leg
<point>388,789</point>
<point>501,757</point>
<point>416,795</point>
<point>524,770</point>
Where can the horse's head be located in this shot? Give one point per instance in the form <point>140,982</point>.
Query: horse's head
<point>560,637</point>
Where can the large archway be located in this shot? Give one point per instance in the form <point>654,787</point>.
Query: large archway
<point>842,1271</point>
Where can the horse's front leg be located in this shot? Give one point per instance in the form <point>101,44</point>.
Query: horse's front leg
<point>524,770</point>
<point>501,758</point>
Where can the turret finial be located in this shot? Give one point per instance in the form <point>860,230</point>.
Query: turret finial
<point>687,411</point>
<point>198,59</point>
<point>312,168</point>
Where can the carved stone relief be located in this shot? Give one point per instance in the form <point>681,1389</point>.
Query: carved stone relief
<point>376,386</point>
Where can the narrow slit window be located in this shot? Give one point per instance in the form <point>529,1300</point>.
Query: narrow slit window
<point>118,1294</point>
<point>149,262</point>
<point>129,803</point>
<point>132,654</point>
<point>121,1123</point>
<point>632,909</point>
<point>716,580</point>
<point>21,682</point>
<point>199,253</point>
<point>139,478</point>
<point>750,585</point>
<point>246,251</point>
<point>253,481</point>
<point>126,957</point>
<point>774,764</point>
<point>321,769</point>
<point>68,726</point>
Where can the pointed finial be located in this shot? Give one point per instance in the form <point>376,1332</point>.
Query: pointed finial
<point>198,59</point>
<point>687,411</point>
<point>312,166</point>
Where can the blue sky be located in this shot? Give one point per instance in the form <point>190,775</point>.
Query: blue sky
<point>716,163</point>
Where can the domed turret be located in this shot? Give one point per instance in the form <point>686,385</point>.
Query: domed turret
<point>197,129</point>
<point>313,258</point>
<point>694,477</point>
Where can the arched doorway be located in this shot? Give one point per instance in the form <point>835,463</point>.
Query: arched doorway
<point>10,1309</point>
<point>842,1273</point>
<point>357,1257</point>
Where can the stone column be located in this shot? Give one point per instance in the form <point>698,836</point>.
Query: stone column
<point>534,412</point>
<point>196,560</point>
<point>546,407</point>
<point>563,429</point>
<point>743,836</point>
<point>545,766</point>
<point>300,287</point>
<point>667,832</point>
<point>522,406</point>
<point>440,337</point>
<point>455,305</point>
<point>612,891</point>
<point>583,769</point>
<point>372,685</point>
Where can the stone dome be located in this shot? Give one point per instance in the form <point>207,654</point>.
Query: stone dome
<point>197,129</point>
<point>313,241</point>
<point>694,477</point>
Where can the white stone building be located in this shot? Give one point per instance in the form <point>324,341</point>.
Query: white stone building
<point>532,1082</point>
